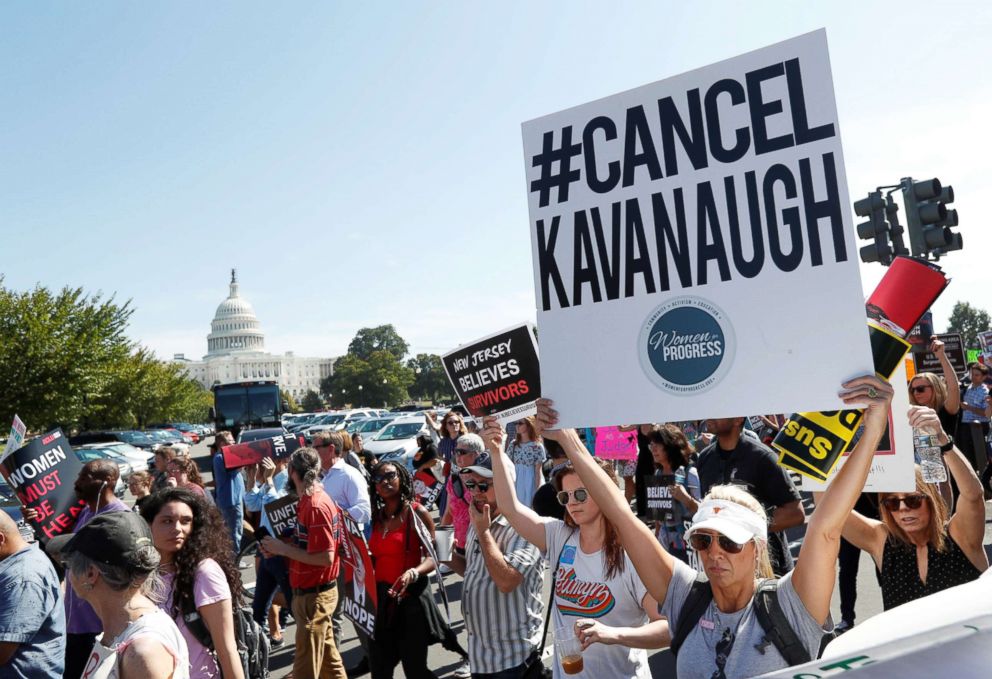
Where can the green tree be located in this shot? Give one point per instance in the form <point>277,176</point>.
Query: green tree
<point>430,380</point>
<point>58,350</point>
<point>381,379</point>
<point>367,341</point>
<point>969,321</point>
<point>291,404</point>
<point>311,402</point>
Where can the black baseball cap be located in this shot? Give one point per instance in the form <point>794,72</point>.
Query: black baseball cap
<point>113,538</point>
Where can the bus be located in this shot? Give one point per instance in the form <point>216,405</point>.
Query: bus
<point>247,405</point>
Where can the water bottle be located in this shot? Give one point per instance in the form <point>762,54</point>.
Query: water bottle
<point>926,452</point>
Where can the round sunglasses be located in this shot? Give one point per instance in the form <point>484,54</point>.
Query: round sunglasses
<point>580,495</point>
<point>912,502</point>
<point>702,541</point>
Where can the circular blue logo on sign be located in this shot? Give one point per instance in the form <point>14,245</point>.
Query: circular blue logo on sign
<point>686,345</point>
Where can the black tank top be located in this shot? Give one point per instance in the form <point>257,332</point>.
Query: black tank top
<point>900,577</point>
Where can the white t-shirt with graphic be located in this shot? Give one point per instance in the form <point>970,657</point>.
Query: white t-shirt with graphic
<point>582,591</point>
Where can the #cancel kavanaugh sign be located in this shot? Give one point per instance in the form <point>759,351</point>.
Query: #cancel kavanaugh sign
<point>694,254</point>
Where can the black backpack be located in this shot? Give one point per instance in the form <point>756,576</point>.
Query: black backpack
<point>252,642</point>
<point>778,630</point>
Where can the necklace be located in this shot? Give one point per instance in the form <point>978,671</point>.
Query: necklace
<point>386,518</point>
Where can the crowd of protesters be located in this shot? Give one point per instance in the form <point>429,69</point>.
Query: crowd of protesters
<point>157,591</point>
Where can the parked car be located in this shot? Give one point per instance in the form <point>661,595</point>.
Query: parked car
<point>94,451</point>
<point>136,457</point>
<point>368,427</point>
<point>398,440</point>
<point>135,438</point>
<point>10,504</point>
<point>167,438</point>
<point>256,434</point>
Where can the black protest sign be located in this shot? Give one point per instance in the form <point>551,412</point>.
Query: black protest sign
<point>428,488</point>
<point>252,452</point>
<point>360,597</point>
<point>660,501</point>
<point>497,375</point>
<point>921,334</point>
<point>43,474</point>
<point>282,515</point>
<point>928,362</point>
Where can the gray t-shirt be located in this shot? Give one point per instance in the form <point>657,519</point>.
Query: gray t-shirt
<point>697,657</point>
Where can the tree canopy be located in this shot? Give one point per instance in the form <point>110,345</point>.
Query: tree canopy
<point>969,321</point>
<point>367,341</point>
<point>66,361</point>
<point>430,380</point>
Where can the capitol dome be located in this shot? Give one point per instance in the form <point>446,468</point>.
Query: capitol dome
<point>235,327</point>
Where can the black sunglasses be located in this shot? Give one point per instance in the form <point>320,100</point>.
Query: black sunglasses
<point>472,485</point>
<point>920,389</point>
<point>912,502</point>
<point>580,495</point>
<point>462,451</point>
<point>388,476</point>
<point>702,541</point>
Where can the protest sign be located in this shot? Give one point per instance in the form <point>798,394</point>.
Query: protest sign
<point>658,215</point>
<point>498,374</point>
<point>892,469</point>
<point>921,334</point>
<point>428,545</point>
<point>660,507</point>
<point>812,443</point>
<point>427,487</point>
<point>613,444</point>
<point>244,454</point>
<point>16,438</point>
<point>43,474</point>
<point>359,593</point>
<point>985,340</point>
<point>954,350</point>
<point>282,515</point>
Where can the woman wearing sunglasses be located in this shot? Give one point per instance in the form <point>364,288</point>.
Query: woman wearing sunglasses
<point>917,549</point>
<point>729,533</point>
<point>943,395</point>
<point>597,590</point>
<point>407,619</point>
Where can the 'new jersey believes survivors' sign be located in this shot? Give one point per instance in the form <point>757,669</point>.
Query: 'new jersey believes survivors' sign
<point>693,249</point>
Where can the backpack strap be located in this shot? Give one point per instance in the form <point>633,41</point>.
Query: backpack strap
<point>696,603</point>
<point>778,630</point>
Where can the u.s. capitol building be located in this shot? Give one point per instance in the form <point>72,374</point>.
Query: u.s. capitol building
<point>236,353</point>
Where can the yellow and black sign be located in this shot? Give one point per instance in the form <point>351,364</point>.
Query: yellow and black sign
<point>812,443</point>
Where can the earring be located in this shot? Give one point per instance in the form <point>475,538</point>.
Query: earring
<point>87,586</point>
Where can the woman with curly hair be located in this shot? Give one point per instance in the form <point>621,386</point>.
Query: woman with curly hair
<point>597,591</point>
<point>407,619</point>
<point>201,579</point>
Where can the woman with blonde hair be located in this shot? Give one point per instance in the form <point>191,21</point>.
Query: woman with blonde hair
<point>528,455</point>
<point>943,395</point>
<point>596,589</point>
<point>920,548</point>
<point>720,626</point>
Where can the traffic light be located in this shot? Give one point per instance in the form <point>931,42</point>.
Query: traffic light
<point>873,207</point>
<point>928,218</point>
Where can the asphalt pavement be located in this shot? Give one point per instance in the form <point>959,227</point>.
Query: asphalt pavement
<point>443,662</point>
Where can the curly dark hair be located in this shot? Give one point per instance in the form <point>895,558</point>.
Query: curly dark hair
<point>209,539</point>
<point>613,552</point>
<point>407,495</point>
<point>676,445</point>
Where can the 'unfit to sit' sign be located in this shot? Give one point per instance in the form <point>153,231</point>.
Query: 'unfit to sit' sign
<point>497,375</point>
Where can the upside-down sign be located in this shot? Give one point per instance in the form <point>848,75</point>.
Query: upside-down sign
<point>498,374</point>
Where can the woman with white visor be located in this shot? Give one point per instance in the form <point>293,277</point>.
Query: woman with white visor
<point>727,638</point>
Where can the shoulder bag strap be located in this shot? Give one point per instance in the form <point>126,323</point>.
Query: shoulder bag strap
<point>551,599</point>
<point>698,600</point>
<point>776,626</point>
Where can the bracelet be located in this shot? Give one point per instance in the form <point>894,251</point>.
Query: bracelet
<point>946,448</point>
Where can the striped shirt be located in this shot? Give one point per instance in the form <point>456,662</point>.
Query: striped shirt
<point>503,629</point>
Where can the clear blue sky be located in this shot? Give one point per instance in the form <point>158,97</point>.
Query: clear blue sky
<point>361,163</point>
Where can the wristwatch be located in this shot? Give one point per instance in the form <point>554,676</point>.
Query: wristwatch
<point>946,448</point>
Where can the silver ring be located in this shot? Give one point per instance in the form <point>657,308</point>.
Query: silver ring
<point>872,393</point>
